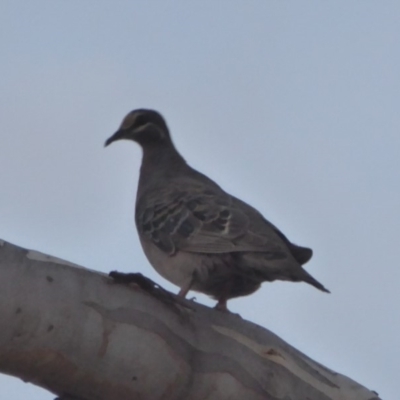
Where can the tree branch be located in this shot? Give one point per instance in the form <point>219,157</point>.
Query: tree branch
<point>78,334</point>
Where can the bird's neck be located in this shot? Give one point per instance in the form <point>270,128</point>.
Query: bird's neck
<point>160,164</point>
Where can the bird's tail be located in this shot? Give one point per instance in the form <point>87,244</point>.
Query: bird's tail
<point>312,281</point>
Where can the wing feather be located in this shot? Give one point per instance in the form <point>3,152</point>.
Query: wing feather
<point>204,221</point>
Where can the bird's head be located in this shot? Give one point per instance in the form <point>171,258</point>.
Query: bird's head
<point>145,127</point>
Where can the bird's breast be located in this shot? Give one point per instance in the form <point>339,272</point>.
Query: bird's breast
<point>178,268</point>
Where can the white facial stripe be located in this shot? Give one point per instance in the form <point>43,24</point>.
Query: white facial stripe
<point>145,126</point>
<point>130,120</point>
<point>142,127</point>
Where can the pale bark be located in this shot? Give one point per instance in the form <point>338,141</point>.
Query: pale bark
<point>75,332</point>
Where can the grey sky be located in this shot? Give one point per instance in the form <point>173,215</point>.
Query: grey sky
<point>291,106</point>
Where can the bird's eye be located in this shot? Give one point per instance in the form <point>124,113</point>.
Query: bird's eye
<point>133,121</point>
<point>139,121</point>
<point>144,126</point>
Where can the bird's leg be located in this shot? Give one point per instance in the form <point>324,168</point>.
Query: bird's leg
<point>224,295</point>
<point>184,290</point>
<point>222,305</point>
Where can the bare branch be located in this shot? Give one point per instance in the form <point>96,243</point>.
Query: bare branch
<point>80,335</point>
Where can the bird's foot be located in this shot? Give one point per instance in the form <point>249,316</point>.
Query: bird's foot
<point>137,278</point>
<point>222,306</point>
<point>68,397</point>
<point>148,286</point>
<point>184,291</point>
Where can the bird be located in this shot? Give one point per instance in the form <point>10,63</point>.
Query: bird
<point>195,234</point>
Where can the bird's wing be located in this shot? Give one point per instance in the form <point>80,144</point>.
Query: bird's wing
<point>203,221</point>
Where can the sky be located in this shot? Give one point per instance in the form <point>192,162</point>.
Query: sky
<point>291,106</point>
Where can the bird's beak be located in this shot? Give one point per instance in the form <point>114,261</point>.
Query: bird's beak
<point>117,136</point>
